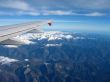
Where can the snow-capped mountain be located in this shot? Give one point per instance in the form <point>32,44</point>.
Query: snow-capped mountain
<point>48,36</point>
<point>56,55</point>
<point>48,45</point>
<point>51,35</point>
<point>7,60</point>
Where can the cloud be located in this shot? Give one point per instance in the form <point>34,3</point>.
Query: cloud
<point>91,4</point>
<point>54,7</point>
<point>19,13</point>
<point>31,13</point>
<point>16,4</point>
<point>47,12</point>
<point>57,12</point>
<point>66,21</point>
<point>44,12</point>
<point>95,14</point>
<point>36,13</point>
<point>71,4</point>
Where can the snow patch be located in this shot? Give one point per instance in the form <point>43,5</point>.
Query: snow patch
<point>69,37</point>
<point>49,45</point>
<point>51,35</point>
<point>26,60</point>
<point>6,60</point>
<point>77,38</point>
<point>25,38</point>
<point>11,46</point>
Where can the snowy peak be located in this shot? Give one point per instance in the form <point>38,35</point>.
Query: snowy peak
<point>6,60</point>
<point>50,38</point>
<point>53,45</point>
<point>51,35</point>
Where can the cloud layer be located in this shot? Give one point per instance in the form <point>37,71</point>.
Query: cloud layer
<point>17,4</point>
<point>55,7</point>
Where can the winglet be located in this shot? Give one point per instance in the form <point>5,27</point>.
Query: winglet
<point>50,22</point>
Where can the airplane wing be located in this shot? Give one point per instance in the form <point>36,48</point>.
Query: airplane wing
<point>9,31</point>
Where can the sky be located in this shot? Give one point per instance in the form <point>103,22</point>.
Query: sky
<point>76,15</point>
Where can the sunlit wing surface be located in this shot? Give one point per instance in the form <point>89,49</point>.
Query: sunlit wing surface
<point>9,31</point>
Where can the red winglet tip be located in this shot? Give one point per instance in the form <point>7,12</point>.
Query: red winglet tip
<point>49,24</point>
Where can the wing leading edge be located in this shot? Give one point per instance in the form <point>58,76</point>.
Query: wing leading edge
<point>9,31</point>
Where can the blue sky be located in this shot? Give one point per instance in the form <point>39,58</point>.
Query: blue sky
<point>83,15</point>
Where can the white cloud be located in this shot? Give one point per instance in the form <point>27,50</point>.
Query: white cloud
<point>61,12</point>
<point>16,4</point>
<point>67,21</point>
<point>37,13</point>
<point>19,13</point>
<point>31,13</point>
<point>57,12</point>
<point>47,8</point>
<point>90,14</point>
<point>53,45</point>
<point>95,14</point>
